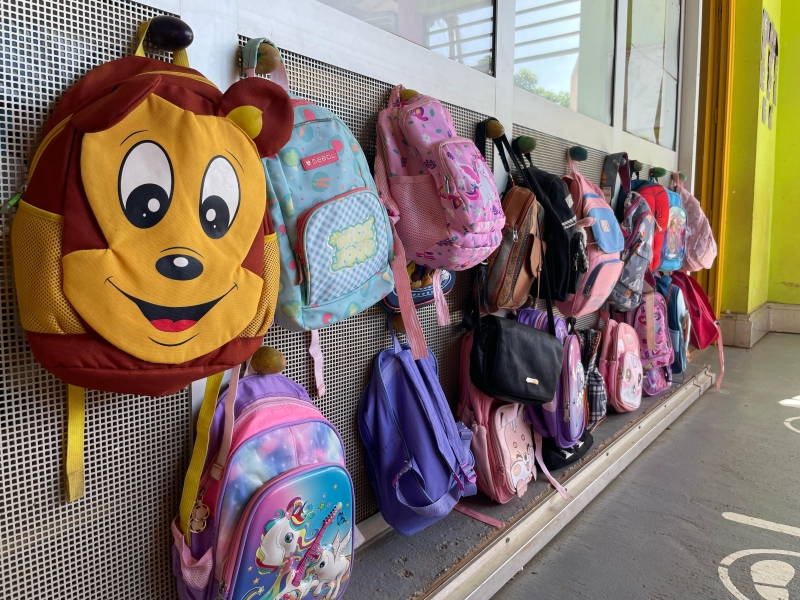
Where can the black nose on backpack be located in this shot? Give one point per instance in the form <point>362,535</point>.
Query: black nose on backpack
<point>179,266</point>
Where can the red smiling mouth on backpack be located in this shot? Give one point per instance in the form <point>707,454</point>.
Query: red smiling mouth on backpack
<point>172,319</point>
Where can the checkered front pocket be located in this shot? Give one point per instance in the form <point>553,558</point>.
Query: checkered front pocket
<point>344,242</point>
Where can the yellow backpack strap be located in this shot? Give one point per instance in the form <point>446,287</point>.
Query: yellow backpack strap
<point>179,57</point>
<point>76,414</point>
<point>191,485</point>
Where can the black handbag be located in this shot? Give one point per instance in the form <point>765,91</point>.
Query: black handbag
<point>511,361</point>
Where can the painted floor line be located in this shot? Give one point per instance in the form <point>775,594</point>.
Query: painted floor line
<point>794,402</point>
<point>788,423</point>
<point>762,524</point>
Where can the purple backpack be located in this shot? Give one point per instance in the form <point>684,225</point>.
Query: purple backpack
<point>271,515</point>
<point>563,418</point>
<point>417,457</point>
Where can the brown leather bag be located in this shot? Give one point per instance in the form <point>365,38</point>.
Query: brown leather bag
<point>514,267</point>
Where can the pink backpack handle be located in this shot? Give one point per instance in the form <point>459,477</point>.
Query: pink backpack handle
<point>402,285</point>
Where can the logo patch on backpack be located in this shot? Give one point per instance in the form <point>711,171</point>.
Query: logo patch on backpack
<point>353,245</point>
<point>604,225</point>
<point>319,160</point>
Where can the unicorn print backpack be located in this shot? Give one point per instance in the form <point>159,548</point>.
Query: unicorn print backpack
<point>437,187</point>
<point>270,514</point>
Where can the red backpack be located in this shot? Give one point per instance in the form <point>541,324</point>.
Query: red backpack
<point>705,326</point>
<point>658,200</point>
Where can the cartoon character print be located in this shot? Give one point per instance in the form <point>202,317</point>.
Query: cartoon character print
<point>675,243</point>
<point>177,196</point>
<point>518,441</point>
<point>283,537</point>
<point>573,411</point>
<point>630,378</point>
<point>308,566</point>
<point>332,567</point>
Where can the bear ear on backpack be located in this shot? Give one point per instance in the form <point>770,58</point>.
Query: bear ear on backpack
<point>263,110</point>
<point>112,108</point>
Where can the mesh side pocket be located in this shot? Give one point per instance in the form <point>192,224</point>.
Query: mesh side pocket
<point>422,221</point>
<point>193,574</point>
<point>36,244</point>
<point>269,293</point>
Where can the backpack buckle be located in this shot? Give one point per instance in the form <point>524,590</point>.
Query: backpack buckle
<point>469,473</point>
<point>464,432</point>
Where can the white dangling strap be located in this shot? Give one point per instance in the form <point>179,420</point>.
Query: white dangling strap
<point>315,350</point>
<point>442,310</point>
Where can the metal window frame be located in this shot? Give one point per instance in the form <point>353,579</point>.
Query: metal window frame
<point>365,49</point>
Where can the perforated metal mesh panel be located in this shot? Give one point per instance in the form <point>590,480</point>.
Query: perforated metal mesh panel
<point>116,541</point>
<point>351,346</point>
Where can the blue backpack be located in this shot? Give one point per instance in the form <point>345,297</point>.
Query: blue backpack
<point>334,235</point>
<point>418,458</point>
<point>674,248</point>
<point>678,321</point>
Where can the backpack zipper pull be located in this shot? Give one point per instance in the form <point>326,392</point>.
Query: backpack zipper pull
<point>514,234</point>
<point>7,206</point>
<point>221,590</point>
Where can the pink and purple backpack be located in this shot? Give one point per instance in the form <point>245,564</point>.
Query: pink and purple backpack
<point>655,346</point>
<point>564,417</point>
<point>701,249</point>
<point>620,365</point>
<point>437,188</point>
<point>274,514</point>
<point>604,242</point>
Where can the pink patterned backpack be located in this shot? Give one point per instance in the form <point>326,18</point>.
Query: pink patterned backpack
<point>655,346</point>
<point>437,188</point>
<point>701,249</point>
<point>604,242</point>
<point>620,364</point>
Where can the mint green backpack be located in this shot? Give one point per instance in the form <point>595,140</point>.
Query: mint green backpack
<point>335,238</point>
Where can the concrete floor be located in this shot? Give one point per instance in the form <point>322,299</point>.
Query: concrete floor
<point>658,531</point>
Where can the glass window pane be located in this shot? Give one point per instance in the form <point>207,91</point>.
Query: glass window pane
<point>564,51</point>
<point>459,29</point>
<point>651,75</point>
